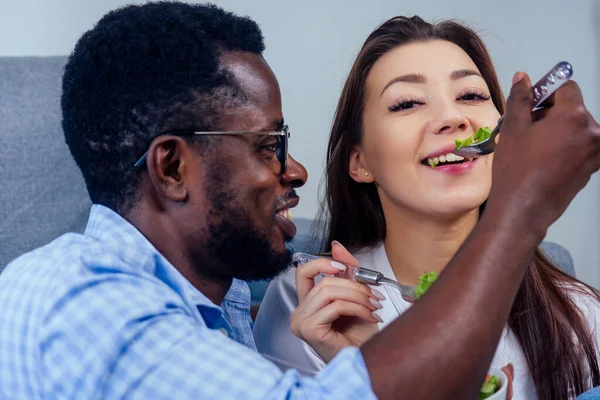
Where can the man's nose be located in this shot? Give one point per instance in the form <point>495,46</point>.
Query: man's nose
<point>295,174</point>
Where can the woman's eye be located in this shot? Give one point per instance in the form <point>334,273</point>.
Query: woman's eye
<point>405,105</point>
<point>474,97</point>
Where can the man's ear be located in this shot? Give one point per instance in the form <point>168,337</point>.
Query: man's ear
<point>169,166</point>
<point>357,166</point>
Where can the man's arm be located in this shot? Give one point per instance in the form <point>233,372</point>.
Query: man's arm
<point>446,341</point>
<point>442,347</point>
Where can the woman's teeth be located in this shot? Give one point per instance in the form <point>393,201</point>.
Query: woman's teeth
<point>287,214</point>
<point>446,158</point>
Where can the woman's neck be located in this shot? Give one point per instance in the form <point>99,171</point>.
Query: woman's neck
<point>417,243</point>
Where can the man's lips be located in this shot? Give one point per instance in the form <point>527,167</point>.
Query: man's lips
<point>283,217</point>
<point>291,203</point>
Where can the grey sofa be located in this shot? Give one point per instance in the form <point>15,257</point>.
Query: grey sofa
<point>41,191</point>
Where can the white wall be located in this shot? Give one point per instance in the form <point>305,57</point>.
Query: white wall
<point>311,45</point>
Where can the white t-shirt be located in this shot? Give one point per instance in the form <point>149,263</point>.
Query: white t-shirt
<point>276,342</point>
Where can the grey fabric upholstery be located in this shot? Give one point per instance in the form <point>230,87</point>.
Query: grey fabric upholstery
<point>41,190</point>
<point>559,256</point>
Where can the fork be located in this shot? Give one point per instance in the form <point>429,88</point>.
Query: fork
<point>361,275</point>
<point>558,76</point>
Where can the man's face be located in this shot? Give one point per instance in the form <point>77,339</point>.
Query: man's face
<point>248,198</point>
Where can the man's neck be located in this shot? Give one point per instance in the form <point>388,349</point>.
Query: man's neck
<point>417,243</point>
<point>168,242</point>
<point>214,289</point>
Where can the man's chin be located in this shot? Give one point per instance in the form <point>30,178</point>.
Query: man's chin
<point>281,245</point>
<point>276,264</point>
<point>244,250</point>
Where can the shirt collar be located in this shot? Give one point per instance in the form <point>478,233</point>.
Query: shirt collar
<point>126,241</point>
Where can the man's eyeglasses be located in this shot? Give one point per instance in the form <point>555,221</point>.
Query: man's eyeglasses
<point>281,150</point>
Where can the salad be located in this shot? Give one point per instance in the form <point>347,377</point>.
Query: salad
<point>425,283</point>
<point>479,136</point>
<point>490,386</point>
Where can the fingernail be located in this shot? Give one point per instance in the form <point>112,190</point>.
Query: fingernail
<point>376,303</point>
<point>378,294</point>
<point>517,77</point>
<point>336,243</point>
<point>512,367</point>
<point>377,317</point>
<point>338,266</point>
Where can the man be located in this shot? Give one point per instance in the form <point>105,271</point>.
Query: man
<point>175,121</point>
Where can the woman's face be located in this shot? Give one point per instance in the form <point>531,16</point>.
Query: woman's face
<point>419,98</point>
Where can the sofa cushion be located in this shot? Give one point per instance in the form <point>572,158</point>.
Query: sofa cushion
<point>42,191</point>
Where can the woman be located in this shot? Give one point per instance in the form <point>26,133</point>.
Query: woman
<point>402,204</point>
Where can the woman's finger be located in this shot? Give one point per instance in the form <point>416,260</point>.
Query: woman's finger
<point>306,273</point>
<point>342,255</point>
<point>341,308</point>
<point>328,294</point>
<point>347,283</point>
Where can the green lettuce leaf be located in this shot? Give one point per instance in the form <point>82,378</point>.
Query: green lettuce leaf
<point>479,136</point>
<point>490,386</point>
<point>425,283</point>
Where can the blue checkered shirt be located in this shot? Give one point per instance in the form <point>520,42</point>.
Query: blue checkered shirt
<point>593,394</point>
<point>105,316</point>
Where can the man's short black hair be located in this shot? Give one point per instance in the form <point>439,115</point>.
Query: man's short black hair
<point>141,70</point>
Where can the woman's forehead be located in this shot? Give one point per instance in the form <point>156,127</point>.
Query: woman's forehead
<point>433,60</point>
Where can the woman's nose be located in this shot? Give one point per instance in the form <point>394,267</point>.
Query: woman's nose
<point>451,120</point>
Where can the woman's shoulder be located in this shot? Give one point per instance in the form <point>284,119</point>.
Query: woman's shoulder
<point>587,300</point>
<point>585,297</point>
<point>285,284</point>
<point>369,256</point>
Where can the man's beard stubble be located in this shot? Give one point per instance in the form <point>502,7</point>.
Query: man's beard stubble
<point>235,242</point>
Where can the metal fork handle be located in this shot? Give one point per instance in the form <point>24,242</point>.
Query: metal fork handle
<point>362,275</point>
<point>544,88</point>
<point>551,82</point>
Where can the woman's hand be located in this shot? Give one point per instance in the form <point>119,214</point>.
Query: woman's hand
<point>336,312</point>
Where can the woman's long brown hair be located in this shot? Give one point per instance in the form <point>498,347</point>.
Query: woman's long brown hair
<point>552,332</point>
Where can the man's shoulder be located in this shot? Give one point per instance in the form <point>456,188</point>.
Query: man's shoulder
<point>90,303</point>
<point>63,256</point>
<point>65,250</point>
<point>71,263</point>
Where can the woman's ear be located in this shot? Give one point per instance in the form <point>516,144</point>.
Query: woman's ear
<point>357,166</point>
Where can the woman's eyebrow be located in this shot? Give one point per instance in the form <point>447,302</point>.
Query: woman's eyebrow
<point>408,78</point>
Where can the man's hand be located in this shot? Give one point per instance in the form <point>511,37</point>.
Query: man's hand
<point>540,166</point>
